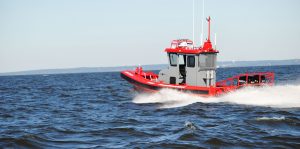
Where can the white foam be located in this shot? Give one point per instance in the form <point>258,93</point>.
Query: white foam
<point>169,98</point>
<point>271,118</point>
<point>283,96</point>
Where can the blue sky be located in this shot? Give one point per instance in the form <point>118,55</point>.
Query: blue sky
<point>43,34</point>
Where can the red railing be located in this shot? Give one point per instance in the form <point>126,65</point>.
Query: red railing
<point>147,75</point>
<point>248,79</point>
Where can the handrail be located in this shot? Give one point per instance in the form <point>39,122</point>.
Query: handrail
<point>248,79</point>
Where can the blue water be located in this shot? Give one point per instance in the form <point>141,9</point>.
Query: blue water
<point>100,110</point>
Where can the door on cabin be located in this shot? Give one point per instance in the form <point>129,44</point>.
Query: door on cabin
<point>191,70</point>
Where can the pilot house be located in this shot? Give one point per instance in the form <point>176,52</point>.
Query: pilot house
<point>189,65</point>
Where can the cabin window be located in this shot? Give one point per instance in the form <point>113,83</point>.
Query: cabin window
<point>191,61</point>
<point>173,59</point>
<point>181,60</point>
<point>207,61</point>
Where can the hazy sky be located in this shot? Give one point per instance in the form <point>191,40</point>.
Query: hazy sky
<point>43,34</point>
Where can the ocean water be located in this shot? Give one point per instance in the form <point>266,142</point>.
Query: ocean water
<point>100,110</point>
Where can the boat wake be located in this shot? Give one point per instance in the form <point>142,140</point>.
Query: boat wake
<point>282,96</point>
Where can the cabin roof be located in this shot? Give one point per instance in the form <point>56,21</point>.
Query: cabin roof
<point>185,46</point>
<point>190,51</point>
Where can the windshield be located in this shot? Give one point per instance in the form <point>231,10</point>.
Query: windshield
<point>207,61</point>
<point>173,59</point>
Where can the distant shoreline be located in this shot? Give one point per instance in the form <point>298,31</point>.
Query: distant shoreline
<point>221,64</point>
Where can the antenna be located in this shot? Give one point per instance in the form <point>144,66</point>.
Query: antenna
<point>202,22</point>
<point>215,40</point>
<point>193,22</point>
<point>201,38</point>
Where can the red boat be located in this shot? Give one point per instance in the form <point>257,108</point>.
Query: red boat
<point>193,69</point>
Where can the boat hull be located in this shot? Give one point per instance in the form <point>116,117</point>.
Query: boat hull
<point>148,82</point>
<point>142,84</point>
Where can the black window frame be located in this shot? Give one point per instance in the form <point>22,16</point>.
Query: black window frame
<point>171,60</point>
<point>188,64</point>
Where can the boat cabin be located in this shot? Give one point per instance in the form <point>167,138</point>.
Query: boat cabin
<point>189,65</point>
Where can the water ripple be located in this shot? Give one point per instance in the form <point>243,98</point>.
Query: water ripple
<point>100,110</point>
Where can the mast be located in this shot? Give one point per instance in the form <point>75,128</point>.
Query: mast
<point>208,20</point>
<point>207,44</point>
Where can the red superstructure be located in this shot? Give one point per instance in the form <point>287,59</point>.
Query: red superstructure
<point>192,69</point>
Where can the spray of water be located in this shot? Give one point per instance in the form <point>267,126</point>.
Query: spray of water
<point>283,96</point>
